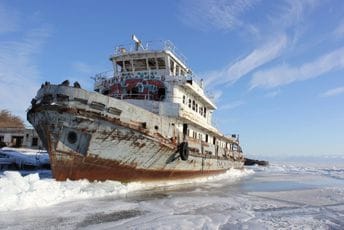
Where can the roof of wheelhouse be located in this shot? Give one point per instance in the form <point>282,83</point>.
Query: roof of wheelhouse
<point>137,49</point>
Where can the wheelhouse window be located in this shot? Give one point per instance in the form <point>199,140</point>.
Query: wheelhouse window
<point>127,66</point>
<point>184,99</point>
<point>193,105</point>
<point>161,63</point>
<point>140,64</point>
<point>235,147</point>
<point>189,103</point>
<point>152,63</point>
<point>119,66</point>
<point>172,67</point>
<point>205,112</point>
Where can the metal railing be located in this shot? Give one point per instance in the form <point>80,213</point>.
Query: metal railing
<point>102,77</point>
<point>146,96</point>
<point>149,46</point>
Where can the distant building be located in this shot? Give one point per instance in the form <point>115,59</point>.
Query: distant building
<point>20,137</point>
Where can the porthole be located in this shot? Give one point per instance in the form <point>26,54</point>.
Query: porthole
<point>72,137</point>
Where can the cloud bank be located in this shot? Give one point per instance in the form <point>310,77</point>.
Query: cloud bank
<point>285,74</point>
<point>258,57</point>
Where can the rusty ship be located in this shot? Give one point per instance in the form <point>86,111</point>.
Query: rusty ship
<point>148,119</point>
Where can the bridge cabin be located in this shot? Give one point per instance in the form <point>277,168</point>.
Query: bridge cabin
<point>156,78</point>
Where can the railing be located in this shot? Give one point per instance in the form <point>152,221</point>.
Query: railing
<point>146,96</point>
<point>100,78</point>
<point>103,75</point>
<point>151,46</point>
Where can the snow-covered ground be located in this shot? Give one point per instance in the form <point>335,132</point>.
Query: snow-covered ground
<point>284,195</point>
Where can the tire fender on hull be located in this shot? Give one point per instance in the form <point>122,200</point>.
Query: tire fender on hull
<point>184,151</point>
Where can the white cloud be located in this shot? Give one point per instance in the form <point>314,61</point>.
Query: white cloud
<point>231,105</point>
<point>19,76</point>
<point>291,12</point>
<point>255,59</point>
<point>221,14</point>
<point>285,74</point>
<point>215,95</point>
<point>333,92</point>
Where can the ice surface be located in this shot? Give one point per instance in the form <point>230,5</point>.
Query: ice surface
<point>282,196</point>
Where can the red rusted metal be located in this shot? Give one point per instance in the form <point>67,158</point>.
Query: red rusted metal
<point>97,169</point>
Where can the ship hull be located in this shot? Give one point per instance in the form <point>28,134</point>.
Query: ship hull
<point>93,168</point>
<point>86,144</point>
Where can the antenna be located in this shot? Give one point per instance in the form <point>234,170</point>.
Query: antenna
<point>137,42</point>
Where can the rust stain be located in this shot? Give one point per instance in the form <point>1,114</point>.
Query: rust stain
<point>93,168</point>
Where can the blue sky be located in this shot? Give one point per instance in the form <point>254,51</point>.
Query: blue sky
<point>276,68</point>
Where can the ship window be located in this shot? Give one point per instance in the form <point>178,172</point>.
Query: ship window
<point>194,135</point>
<point>161,63</point>
<point>193,105</point>
<point>205,112</point>
<point>235,147</point>
<point>201,110</point>
<point>182,72</point>
<point>151,63</point>
<point>177,70</point>
<point>127,66</point>
<point>189,103</point>
<point>206,138</point>
<point>196,107</point>
<point>172,67</point>
<point>140,64</point>
<point>72,137</point>
<point>184,99</point>
<point>119,66</point>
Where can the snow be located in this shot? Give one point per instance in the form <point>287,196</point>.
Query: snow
<point>22,192</point>
<point>281,196</point>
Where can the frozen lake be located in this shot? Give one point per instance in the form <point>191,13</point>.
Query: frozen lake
<point>284,195</point>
